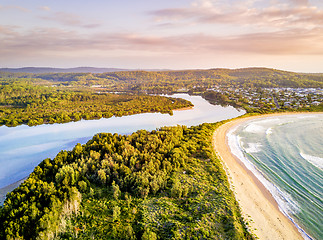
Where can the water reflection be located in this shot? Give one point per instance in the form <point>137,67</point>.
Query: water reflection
<point>22,148</point>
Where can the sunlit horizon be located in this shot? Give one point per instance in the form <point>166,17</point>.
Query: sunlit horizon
<point>176,35</point>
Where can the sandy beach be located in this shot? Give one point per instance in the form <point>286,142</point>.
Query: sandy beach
<point>254,199</point>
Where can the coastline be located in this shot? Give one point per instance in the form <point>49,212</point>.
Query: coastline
<point>255,201</point>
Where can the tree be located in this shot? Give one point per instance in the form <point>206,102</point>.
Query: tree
<point>176,190</point>
<point>116,190</point>
<point>67,176</point>
<point>149,235</point>
<point>116,213</point>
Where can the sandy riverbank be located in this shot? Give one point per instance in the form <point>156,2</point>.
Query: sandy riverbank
<point>254,199</point>
<point>183,109</point>
<point>9,188</point>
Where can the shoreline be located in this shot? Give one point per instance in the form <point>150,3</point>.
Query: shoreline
<point>255,200</point>
<point>183,109</point>
<point>9,188</point>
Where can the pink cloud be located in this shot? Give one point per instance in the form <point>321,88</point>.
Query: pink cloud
<point>14,7</point>
<point>298,14</point>
<point>292,42</point>
<point>45,8</point>
<point>69,19</point>
<point>300,2</point>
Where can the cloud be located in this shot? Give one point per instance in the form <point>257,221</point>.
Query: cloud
<point>281,30</point>
<point>300,2</point>
<point>293,42</point>
<point>8,31</point>
<point>55,41</point>
<point>45,8</point>
<point>299,13</point>
<point>64,18</point>
<point>69,19</point>
<point>14,7</point>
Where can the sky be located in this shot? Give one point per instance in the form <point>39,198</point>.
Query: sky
<point>168,34</point>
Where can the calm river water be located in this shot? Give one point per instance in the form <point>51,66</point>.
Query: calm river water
<point>22,148</point>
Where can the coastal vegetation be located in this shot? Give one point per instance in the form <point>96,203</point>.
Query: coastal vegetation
<point>164,184</point>
<point>63,97</point>
<point>31,102</point>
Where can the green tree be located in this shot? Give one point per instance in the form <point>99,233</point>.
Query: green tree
<point>116,190</point>
<point>149,235</point>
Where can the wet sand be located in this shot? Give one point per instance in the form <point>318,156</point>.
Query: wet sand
<point>256,202</point>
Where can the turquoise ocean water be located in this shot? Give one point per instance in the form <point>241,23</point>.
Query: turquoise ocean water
<point>286,155</point>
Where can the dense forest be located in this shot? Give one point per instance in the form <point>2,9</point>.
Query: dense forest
<point>164,184</point>
<point>30,101</point>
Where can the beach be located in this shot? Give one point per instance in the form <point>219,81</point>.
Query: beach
<point>256,202</point>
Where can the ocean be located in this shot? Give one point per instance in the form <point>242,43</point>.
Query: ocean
<point>286,154</point>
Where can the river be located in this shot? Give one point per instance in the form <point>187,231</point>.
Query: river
<point>22,148</point>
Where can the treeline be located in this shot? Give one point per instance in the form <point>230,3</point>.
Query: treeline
<point>247,77</point>
<point>24,102</point>
<point>171,81</point>
<point>164,184</point>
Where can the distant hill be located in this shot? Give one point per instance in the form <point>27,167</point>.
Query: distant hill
<point>171,80</point>
<point>61,70</point>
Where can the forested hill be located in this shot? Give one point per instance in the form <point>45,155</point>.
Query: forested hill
<point>164,184</point>
<point>254,77</point>
<point>61,70</point>
<point>172,80</point>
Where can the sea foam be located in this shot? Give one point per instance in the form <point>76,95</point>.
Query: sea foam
<point>285,202</point>
<point>269,131</point>
<point>253,147</point>
<point>316,161</point>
